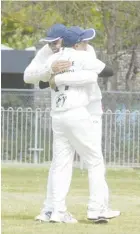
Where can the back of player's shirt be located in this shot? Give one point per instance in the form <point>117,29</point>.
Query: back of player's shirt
<point>75,96</point>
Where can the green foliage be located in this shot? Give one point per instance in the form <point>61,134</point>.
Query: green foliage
<point>25,22</point>
<point>23,27</point>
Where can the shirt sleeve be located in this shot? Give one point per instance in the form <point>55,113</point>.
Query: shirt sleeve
<point>38,69</point>
<point>91,63</point>
<point>77,78</point>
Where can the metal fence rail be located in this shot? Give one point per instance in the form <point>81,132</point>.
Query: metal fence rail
<point>35,98</point>
<point>26,137</point>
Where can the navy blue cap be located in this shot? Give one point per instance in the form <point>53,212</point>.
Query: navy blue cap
<point>76,34</point>
<point>85,34</point>
<point>55,32</point>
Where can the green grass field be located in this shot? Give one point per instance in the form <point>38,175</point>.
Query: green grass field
<point>23,191</point>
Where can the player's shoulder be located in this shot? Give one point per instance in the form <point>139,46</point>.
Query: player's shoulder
<point>86,56</point>
<point>45,51</point>
<point>81,53</point>
<point>90,48</point>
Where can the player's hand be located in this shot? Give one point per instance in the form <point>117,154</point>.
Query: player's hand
<point>60,66</point>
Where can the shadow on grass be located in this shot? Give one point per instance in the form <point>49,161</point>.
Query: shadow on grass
<point>83,221</point>
<point>90,222</point>
<point>31,218</point>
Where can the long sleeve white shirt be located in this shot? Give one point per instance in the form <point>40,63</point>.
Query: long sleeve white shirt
<point>95,104</point>
<point>38,69</point>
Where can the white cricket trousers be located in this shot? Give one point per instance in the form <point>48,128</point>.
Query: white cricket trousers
<point>76,130</point>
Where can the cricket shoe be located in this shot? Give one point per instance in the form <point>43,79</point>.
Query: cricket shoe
<point>107,214</point>
<point>110,214</point>
<point>62,217</point>
<point>44,216</point>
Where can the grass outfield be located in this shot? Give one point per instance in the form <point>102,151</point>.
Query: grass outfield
<point>23,191</point>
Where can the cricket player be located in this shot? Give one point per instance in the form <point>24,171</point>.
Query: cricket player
<point>111,214</point>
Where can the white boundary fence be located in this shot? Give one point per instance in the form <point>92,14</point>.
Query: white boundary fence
<point>26,137</point>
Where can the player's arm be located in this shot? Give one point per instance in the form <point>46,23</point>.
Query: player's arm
<point>80,78</point>
<point>57,66</point>
<point>107,70</point>
<point>38,69</point>
<point>96,65</point>
<point>91,67</point>
<point>77,78</point>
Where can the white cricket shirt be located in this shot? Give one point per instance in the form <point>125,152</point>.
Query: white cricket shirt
<point>76,96</point>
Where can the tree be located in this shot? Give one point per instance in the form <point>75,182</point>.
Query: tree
<point>121,22</point>
<point>24,23</point>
